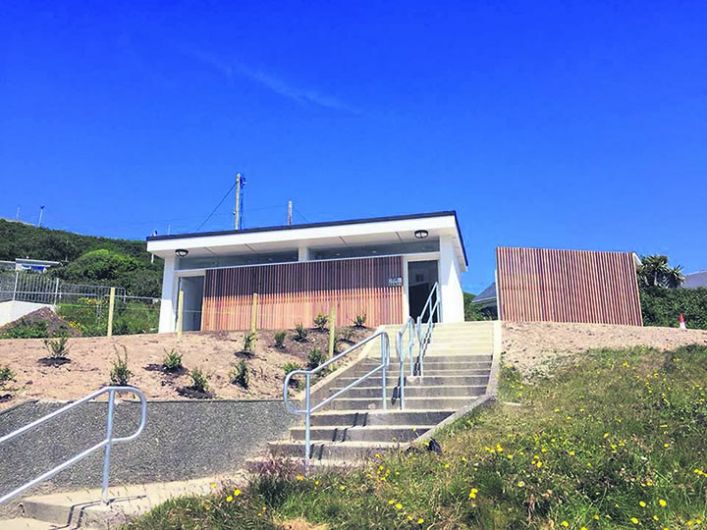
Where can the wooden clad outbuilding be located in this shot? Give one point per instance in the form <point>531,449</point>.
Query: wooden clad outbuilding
<point>537,284</point>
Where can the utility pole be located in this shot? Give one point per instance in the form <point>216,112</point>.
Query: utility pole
<point>289,213</point>
<point>240,182</point>
<point>41,214</point>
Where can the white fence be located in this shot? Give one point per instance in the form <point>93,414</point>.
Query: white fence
<point>41,289</point>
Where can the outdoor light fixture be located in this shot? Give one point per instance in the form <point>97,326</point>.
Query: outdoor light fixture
<point>421,234</point>
<point>181,252</point>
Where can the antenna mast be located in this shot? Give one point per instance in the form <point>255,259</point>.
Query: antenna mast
<point>289,213</point>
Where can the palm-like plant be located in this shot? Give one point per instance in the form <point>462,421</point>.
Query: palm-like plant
<point>654,271</point>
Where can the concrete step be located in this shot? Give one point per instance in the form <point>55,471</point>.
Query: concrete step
<point>418,403</point>
<point>480,377</point>
<point>370,433</point>
<point>469,358</point>
<point>347,451</point>
<point>432,363</point>
<point>68,509</point>
<point>379,417</point>
<point>22,523</point>
<point>412,391</point>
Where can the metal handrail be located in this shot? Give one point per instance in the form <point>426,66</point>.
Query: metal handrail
<point>423,337</point>
<point>309,409</point>
<point>107,442</point>
<point>405,354</point>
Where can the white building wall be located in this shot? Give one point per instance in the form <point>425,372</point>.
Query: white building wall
<point>168,303</point>
<point>11,310</point>
<point>450,282</point>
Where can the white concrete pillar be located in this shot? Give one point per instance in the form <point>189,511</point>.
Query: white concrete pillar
<point>303,254</point>
<point>450,282</point>
<point>168,303</point>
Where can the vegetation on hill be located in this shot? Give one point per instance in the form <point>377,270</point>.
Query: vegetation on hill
<point>86,259</point>
<point>473,311</point>
<point>662,300</point>
<point>617,441</point>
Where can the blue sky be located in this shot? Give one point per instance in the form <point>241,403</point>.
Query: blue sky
<point>555,124</point>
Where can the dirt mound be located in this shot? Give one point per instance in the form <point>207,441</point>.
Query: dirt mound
<point>43,320</point>
<point>215,354</point>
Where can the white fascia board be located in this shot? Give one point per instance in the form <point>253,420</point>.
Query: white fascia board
<point>436,226</point>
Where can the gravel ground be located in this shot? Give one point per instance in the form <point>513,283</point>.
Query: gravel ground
<point>535,346</point>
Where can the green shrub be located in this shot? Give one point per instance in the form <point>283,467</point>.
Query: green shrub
<point>280,339</point>
<point>321,321</point>
<point>6,375</point>
<point>661,306</point>
<point>300,333</point>
<point>315,358</point>
<point>172,361</point>
<point>249,342</point>
<point>90,316</point>
<point>120,373</point>
<point>25,329</point>
<point>240,376</point>
<point>290,367</point>
<point>58,348</point>
<point>199,380</point>
<point>360,321</point>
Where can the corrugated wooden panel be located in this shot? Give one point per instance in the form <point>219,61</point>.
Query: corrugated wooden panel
<point>290,293</point>
<point>537,284</point>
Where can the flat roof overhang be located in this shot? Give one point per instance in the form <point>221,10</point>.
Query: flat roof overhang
<point>351,233</point>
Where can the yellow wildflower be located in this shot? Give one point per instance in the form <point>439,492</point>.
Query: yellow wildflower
<point>565,524</point>
<point>634,520</point>
<point>663,503</point>
<point>229,498</point>
<point>236,492</point>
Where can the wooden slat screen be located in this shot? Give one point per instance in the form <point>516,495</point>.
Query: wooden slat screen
<point>290,293</point>
<point>536,284</point>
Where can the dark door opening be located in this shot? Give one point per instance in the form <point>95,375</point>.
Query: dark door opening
<point>193,288</point>
<point>422,275</point>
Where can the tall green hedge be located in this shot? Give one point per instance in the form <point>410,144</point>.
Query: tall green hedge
<point>661,306</point>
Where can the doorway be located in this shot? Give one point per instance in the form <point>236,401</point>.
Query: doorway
<point>193,287</point>
<point>422,275</point>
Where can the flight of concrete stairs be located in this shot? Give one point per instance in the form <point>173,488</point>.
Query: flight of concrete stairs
<point>354,426</point>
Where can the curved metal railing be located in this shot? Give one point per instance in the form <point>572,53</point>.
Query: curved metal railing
<point>405,355</point>
<point>309,408</point>
<point>426,325</point>
<point>106,443</point>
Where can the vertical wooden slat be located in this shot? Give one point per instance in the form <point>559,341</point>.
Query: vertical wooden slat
<point>290,293</point>
<point>567,286</point>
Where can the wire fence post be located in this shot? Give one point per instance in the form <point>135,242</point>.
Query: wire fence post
<point>332,331</point>
<point>111,309</point>
<point>254,314</point>
<point>180,312</point>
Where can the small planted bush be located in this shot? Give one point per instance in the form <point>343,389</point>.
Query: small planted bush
<point>172,361</point>
<point>315,358</point>
<point>249,342</point>
<point>280,339</point>
<point>199,380</point>
<point>346,334</point>
<point>321,321</point>
<point>120,373</point>
<point>300,333</point>
<point>360,321</point>
<point>6,375</point>
<point>58,348</point>
<point>291,367</point>
<point>240,376</point>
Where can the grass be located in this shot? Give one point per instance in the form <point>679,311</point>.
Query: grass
<point>617,441</point>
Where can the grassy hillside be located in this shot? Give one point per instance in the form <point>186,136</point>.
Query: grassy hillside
<point>19,240</point>
<point>87,259</point>
<point>616,442</point>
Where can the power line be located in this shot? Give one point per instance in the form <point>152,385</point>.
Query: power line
<point>217,207</point>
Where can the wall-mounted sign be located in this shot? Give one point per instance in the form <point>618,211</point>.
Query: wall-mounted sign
<point>395,282</point>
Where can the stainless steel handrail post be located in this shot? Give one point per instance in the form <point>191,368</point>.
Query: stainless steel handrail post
<point>108,447</point>
<point>106,443</point>
<point>307,420</point>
